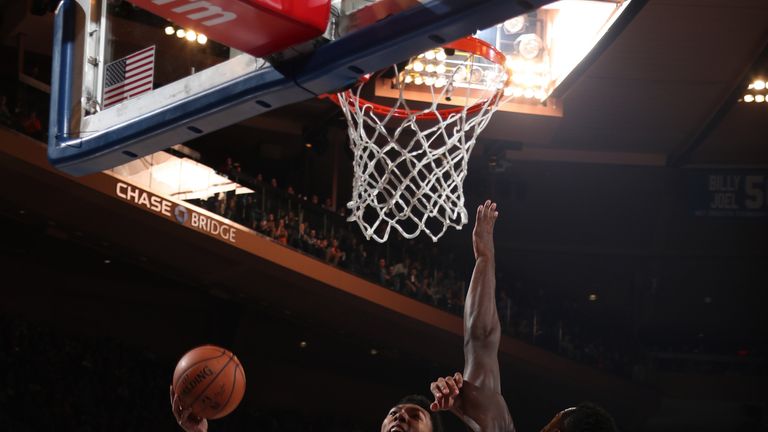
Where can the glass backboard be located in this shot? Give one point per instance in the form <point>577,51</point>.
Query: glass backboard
<point>180,81</point>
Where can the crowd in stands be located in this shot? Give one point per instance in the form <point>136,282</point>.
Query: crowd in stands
<point>22,119</point>
<point>413,268</point>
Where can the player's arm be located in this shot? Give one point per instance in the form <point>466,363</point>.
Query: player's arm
<point>476,397</point>
<point>482,330</point>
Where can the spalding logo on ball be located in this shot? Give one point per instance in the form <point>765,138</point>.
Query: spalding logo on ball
<point>210,380</point>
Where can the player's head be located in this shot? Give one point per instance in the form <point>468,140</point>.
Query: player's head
<point>586,417</point>
<point>412,414</point>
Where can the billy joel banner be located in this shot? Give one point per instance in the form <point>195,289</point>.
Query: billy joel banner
<point>729,193</point>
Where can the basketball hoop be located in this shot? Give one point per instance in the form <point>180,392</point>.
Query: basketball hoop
<point>410,159</point>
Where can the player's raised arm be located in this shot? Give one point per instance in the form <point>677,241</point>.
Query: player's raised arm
<point>476,396</point>
<point>482,330</point>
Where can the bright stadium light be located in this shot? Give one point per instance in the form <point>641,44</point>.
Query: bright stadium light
<point>170,30</point>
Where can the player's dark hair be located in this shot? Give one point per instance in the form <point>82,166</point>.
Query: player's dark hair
<point>589,417</point>
<point>421,401</point>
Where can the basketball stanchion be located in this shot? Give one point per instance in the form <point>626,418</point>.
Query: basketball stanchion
<point>411,158</point>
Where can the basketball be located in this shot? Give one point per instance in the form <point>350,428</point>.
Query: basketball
<point>210,380</point>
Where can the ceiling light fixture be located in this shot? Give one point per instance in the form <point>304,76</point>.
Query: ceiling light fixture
<point>514,25</point>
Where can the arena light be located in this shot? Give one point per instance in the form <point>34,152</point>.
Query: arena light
<point>189,35</point>
<point>757,92</point>
<point>514,25</point>
<point>541,49</point>
<point>529,45</point>
<point>182,178</point>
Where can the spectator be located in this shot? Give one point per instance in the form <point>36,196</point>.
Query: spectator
<point>228,165</point>
<point>270,225</point>
<point>281,234</point>
<point>327,205</point>
<point>32,126</point>
<point>412,284</point>
<point>334,254</point>
<point>385,279</point>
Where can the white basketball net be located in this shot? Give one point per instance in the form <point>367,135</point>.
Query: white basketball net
<point>409,172</point>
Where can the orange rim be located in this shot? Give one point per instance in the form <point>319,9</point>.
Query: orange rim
<point>469,44</point>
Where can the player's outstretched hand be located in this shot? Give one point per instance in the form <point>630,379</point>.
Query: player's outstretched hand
<point>482,236</point>
<point>184,417</point>
<point>446,392</point>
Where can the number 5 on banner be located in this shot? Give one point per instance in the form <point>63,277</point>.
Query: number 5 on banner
<point>755,190</point>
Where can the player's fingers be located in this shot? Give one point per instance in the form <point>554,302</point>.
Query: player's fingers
<point>459,379</point>
<point>184,415</point>
<point>443,386</point>
<point>452,387</point>
<point>449,402</point>
<point>176,406</point>
<point>436,392</point>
